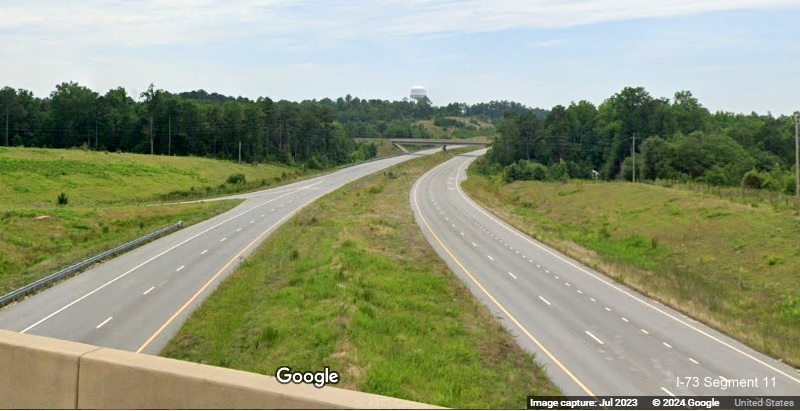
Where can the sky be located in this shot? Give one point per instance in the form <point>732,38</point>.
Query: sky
<point>733,55</point>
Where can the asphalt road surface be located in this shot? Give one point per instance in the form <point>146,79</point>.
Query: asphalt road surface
<point>594,336</point>
<point>138,301</point>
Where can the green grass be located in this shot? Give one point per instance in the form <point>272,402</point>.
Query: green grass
<point>105,194</point>
<point>31,177</point>
<point>35,242</point>
<point>730,265</point>
<point>352,284</point>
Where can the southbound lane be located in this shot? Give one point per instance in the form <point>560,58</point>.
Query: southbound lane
<point>138,300</point>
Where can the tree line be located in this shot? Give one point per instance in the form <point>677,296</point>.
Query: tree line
<point>672,139</point>
<point>318,133</point>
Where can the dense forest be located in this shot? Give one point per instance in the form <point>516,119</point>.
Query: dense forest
<point>672,139</point>
<point>316,133</point>
<point>675,139</point>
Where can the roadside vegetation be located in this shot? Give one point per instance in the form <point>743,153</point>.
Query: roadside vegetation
<point>731,265</point>
<point>352,284</point>
<point>58,207</point>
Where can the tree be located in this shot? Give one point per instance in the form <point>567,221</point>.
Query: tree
<point>74,115</point>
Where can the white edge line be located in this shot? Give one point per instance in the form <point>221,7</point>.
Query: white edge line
<point>604,281</point>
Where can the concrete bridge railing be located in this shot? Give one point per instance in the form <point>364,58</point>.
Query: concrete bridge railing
<point>45,373</point>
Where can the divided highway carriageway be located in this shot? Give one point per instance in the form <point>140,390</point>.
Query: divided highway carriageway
<point>139,300</point>
<point>594,336</point>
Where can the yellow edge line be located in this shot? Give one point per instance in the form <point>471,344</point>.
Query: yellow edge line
<point>511,317</point>
<point>200,291</point>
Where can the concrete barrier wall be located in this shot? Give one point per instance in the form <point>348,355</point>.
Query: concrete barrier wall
<point>45,373</point>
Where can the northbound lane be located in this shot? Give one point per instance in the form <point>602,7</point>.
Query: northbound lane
<point>595,337</point>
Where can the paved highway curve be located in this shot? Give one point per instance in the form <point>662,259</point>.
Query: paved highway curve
<point>139,300</point>
<point>594,336</point>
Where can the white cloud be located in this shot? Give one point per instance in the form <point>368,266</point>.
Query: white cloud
<point>278,48</point>
<point>160,22</point>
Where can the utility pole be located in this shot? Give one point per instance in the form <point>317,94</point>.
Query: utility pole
<point>633,154</point>
<point>6,126</point>
<point>796,157</point>
<point>151,134</point>
<point>169,132</point>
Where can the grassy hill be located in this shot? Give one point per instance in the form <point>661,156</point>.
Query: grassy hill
<point>735,267</point>
<point>35,177</point>
<point>465,127</point>
<point>107,196</point>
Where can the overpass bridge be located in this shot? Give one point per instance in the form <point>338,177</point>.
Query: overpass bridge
<point>400,142</point>
<point>46,373</point>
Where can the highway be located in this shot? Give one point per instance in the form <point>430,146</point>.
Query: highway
<point>138,301</point>
<point>593,336</point>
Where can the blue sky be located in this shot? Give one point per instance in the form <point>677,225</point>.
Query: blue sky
<point>734,55</point>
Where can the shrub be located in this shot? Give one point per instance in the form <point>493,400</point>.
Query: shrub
<point>526,170</point>
<point>314,163</point>
<point>62,199</point>
<point>236,178</point>
<point>559,171</point>
<point>752,179</point>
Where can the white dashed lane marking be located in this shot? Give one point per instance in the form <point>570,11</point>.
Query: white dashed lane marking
<point>104,322</point>
<point>148,290</point>
<point>595,338</point>
<point>545,301</point>
<point>180,268</point>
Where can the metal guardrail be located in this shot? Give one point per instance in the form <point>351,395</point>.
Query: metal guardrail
<point>21,292</point>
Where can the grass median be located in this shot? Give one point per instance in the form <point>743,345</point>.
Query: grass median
<point>351,283</point>
<point>732,266</point>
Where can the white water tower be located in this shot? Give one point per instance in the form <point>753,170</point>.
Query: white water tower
<point>419,93</point>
